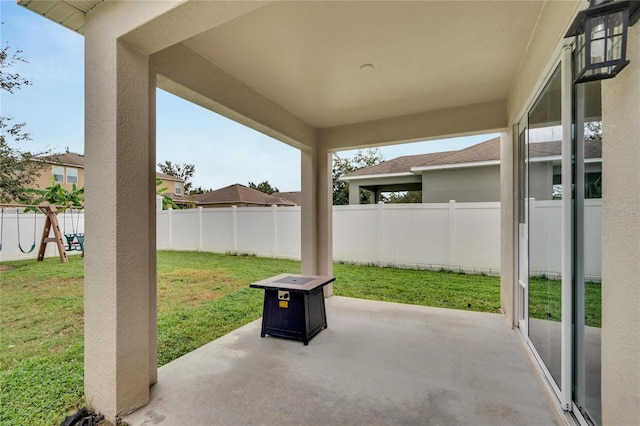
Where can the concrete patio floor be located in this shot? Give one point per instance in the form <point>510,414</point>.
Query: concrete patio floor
<point>377,363</point>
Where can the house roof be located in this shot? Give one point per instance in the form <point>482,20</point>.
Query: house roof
<point>399,165</point>
<point>294,196</point>
<point>66,159</point>
<point>481,153</point>
<point>239,194</point>
<point>165,176</point>
<point>592,149</point>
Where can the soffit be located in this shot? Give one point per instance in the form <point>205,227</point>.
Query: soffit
<point>430,55</point>
<point>68,13</point>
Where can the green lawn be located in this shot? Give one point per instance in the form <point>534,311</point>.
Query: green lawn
<point>201,296</point>
<point>545,300</point>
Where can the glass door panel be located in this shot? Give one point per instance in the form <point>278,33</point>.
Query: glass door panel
<point>523,230</point>
<point>544,166</point>
<point>587,243</point>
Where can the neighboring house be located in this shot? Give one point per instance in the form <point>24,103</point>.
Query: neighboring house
<point>239,196</point>
<point>468,175</point>
<point>67,169</point>
<point>175,188</point>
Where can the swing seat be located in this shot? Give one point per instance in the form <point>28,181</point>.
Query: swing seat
<point>75,242</point>
<point>80,238</point>
<point>70,238</point>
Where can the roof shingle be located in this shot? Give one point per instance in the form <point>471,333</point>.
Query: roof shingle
<point>240,194</point>
<point>482,152</point>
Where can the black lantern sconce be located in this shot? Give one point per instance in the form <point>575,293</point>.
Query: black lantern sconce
<point>601,38</point>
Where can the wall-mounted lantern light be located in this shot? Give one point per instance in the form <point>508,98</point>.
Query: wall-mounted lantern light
<point>601,38</point>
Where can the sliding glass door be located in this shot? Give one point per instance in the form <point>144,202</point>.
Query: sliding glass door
<point>544,206</point>
<point>558,147</point>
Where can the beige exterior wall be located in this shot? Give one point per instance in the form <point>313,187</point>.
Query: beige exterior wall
<point>621,242</point>
<point>471,184</point>
<point>46,177</point>
<point>171,185</point>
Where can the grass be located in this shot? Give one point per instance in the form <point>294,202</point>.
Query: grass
<point>428,288</point>
<point>545,300</point>
<point>201,296</point>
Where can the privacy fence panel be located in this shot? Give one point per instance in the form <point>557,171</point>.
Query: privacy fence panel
<point>474,230</point>
<point>163,228</point>
<point>185,229</point>
<point>217,232</point>
<point>355,233</point>
<point>545,244</point>
<point>455,236</point>
<point>414,235</point>
<point>593,239</point>
<point>255,230</point>
<point>287,222</point>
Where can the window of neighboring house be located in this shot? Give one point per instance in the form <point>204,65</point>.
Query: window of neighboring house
<point>58,174</point>
<point>72,175</point>
<point>178,188</point>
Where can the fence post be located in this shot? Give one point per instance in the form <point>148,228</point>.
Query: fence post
<point>274,228</point>
<point>170,228</point>
<point>234,226</point>
<point>452,233</point>
<point>200,228</point>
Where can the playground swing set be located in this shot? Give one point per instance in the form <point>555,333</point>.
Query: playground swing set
<point>74,239</point>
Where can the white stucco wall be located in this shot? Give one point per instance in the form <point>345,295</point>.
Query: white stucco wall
<point>621,242</point>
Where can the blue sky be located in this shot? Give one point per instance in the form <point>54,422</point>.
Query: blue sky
<point>223,152</point>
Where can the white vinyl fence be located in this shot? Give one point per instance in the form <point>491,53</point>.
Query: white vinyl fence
<point>453,236</point>
<point>456,236</point>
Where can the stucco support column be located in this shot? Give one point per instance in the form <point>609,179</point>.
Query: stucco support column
<point>120,263</point>
<point>354,193</point>
<point>508,243</point>
<point>373,198</point>
<point>621,241</point>
<point>317,214</point>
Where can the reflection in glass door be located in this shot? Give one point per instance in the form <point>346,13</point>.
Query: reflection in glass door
<point>544,183</point>
<point>587,243</point>
<point>559,174</point>
<point>523,230</point>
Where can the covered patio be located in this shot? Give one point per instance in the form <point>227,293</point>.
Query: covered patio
<point>330,76</point>
<point>377,363</point>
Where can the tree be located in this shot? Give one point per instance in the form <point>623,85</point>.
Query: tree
<point>344,166</point>
<point>593,130</point>
<point>59,196</point>
<point>199,190</point>
<point>405,197</point>
<point>183,171</point>
<point>18,171</point>
<point>264,186</point>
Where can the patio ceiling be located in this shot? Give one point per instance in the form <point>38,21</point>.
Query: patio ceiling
<point>427,56</point>
<point>438,68</point>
